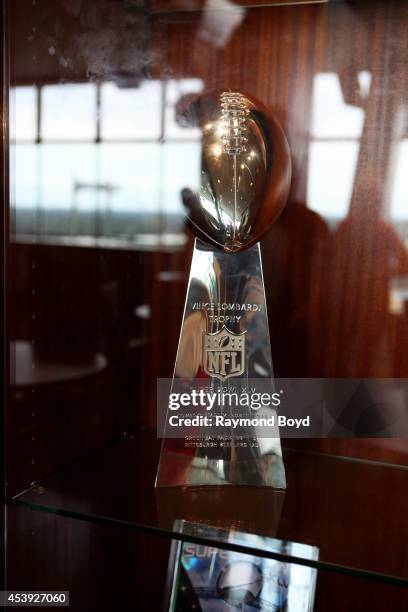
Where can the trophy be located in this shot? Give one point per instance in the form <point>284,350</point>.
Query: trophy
<point>224,340</point>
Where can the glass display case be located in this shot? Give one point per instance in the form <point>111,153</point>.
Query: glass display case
<point>97,160</point>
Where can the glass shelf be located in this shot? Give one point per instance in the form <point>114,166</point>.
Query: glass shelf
<point>353,511</point>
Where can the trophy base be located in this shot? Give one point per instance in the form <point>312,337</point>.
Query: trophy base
<point>176,470</point>
<point>226,508</point>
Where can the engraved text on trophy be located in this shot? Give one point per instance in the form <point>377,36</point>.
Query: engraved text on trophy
<point>224,354</point>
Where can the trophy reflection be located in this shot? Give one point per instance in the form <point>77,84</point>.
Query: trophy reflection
<point>224,340</point>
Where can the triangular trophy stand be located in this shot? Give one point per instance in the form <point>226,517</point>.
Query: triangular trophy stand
<point>225,308</point>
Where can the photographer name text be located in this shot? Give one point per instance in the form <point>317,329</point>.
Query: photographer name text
<point>220,420</point>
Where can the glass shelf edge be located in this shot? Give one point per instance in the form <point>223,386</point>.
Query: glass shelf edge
<point>174,535</point>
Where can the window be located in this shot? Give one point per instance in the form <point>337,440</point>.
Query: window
<point>97,160</point>
<point>68,112</point>
<point>334,146</point>
<point>130,113</point>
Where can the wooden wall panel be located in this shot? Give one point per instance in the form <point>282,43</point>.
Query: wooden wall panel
<point>328,288</point>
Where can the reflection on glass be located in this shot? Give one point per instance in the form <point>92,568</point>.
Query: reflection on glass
<point>399,196</point>
<point>27,191</point>
<point>364,81</point>
<point>214,579</point>
<point>130,113</point>
<point>332,167</point>
<point>62,166</point>
<point>128,183</point>
<point>331,117</point>
<point>24,127</point>
<point>334,145</point>
<point>219,21</point>
<point>175,91</point>
<point>181,165</point>
<point>68,112</point>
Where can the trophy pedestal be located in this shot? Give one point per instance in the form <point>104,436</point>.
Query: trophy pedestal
<point>226,507</point>
<point>224,343</point>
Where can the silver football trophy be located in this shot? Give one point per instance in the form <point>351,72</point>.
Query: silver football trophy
<point>224,340</point>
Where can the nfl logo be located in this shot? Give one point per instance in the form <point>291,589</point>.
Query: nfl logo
<point>224,354</point>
